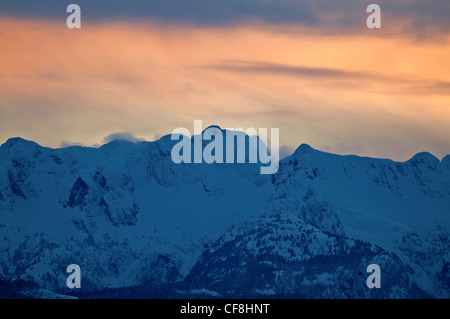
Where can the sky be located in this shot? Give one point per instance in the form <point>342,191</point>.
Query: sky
<point>139,69</point>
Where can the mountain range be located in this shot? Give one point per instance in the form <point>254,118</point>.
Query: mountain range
<point>141,226</point>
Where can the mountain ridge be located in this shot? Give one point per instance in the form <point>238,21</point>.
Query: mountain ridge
<point>303,147</point>
<point>130,216</point>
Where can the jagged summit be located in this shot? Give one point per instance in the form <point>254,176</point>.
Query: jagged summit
<point>14,141</point>
<point>425,157</point>
<point>304,148</point>
<point>214,126</point>
<point>19,147</point>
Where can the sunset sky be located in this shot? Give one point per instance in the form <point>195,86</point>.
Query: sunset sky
<point>310,68</point>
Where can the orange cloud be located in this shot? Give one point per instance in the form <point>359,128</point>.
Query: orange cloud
<point>387,96</point>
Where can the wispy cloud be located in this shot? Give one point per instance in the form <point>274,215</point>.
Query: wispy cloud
<point>430,87</point>
<point>292,70</point>
<point>127,136</point>
<point>403,84</point>
<point>65,144</point>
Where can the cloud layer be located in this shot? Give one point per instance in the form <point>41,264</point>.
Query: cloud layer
<point>361,91</point>
<point>127,136</point>
<point>421,14</point>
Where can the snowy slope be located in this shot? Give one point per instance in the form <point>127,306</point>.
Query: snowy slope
<point>128,215</point>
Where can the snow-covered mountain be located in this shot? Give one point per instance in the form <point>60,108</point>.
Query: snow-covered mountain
<point>129,216</point>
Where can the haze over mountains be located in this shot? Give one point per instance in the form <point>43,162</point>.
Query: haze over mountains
<point>134,220</point>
